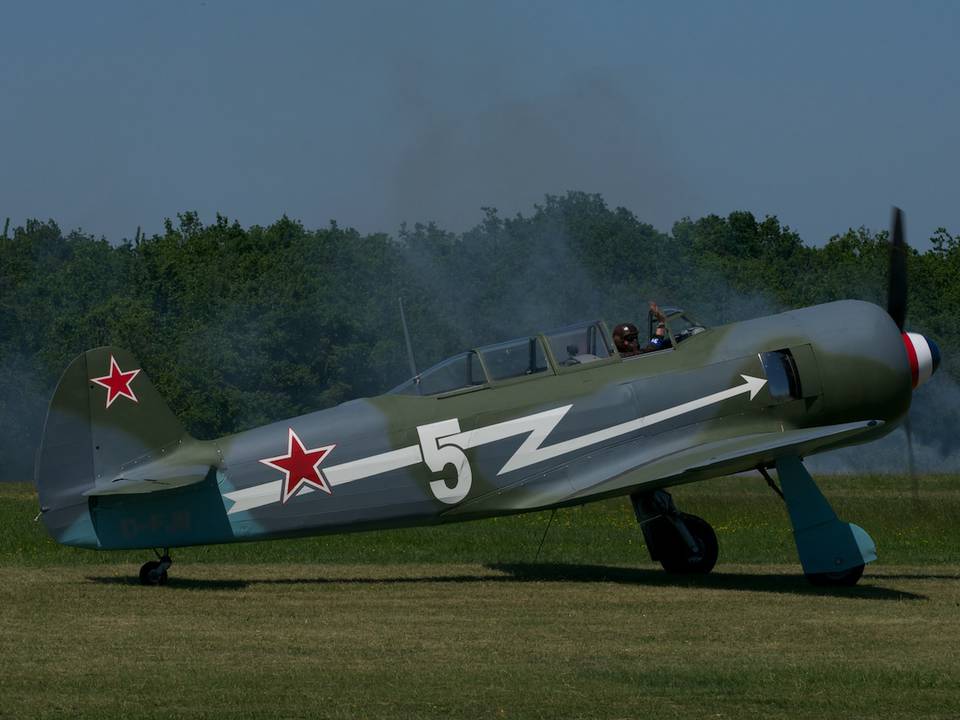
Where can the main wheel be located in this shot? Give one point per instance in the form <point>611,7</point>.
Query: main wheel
<point>150,576</point>
<point>843,578</point>
<point>674,553</point>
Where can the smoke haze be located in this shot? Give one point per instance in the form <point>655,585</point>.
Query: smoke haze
<point>589,134</point>
<point>935,420</point>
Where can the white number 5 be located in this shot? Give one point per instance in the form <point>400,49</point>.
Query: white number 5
<point>437,456</point>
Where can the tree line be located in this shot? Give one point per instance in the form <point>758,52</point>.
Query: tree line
<point>240,326</point>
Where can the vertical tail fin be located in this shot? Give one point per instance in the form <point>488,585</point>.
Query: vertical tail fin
<point>105,416</point>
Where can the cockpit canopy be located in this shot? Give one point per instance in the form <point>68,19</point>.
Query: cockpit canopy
<point>578,344</point>
<point>460,371</point>
<point>532,355</point>
<point>544,354</point>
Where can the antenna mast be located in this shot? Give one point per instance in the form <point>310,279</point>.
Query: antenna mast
<point>406,336</point>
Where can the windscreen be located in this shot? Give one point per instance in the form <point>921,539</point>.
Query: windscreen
<point>454,373</point>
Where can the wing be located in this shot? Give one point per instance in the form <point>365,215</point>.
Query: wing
<point>621,469</point>
<point>737,454</point>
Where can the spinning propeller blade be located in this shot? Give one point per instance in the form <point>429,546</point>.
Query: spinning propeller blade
<point>897,285</point>
<point>914,481</point>
<point>897,307</point>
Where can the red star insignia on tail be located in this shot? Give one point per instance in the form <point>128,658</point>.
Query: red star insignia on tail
<point>300,467</point>
<point>117,382</point>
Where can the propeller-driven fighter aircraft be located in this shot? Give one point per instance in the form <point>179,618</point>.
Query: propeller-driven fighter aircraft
<point>551,420</point>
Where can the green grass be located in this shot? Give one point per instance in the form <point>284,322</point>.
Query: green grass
<point>462,621</point>
<point>751,524</point>
<point>473,641</point>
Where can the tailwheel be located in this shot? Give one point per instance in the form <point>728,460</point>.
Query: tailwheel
<point>842,578</point>
<point>677,554</point>
<point>154,572</point>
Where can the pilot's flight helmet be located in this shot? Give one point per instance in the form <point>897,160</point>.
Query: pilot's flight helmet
<point>626,331</point>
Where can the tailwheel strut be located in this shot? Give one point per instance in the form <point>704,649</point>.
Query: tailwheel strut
<point>154,572</point>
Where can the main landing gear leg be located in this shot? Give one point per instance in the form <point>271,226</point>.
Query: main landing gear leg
<point>155,571</point>
<point>680,542</point>
<point>831,551</point>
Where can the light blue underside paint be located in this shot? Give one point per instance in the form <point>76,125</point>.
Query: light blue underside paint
<point>80,533</point>
<point>189,515</point>
<point>242,524</point>
<point>868,549</point>
<point>825,543</point>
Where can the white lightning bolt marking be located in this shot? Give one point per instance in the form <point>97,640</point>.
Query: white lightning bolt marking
<point>542,424</point>
<point>531,451</point>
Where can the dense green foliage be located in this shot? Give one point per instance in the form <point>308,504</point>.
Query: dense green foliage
<point>237,326</point>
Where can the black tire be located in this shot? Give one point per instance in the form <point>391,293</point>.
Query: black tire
<point>675,555</point>
<point>843,578</point>
<point>148,575</point>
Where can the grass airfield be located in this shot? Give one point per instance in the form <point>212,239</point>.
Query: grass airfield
<point>467,621</point>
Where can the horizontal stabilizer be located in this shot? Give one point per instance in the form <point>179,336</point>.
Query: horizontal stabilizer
<point>152,477</point>
<point>188,463</point>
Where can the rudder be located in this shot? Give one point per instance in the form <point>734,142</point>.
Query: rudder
<point>105,416</point>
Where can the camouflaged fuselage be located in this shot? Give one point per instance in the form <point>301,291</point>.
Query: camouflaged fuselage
<point>566,436</point>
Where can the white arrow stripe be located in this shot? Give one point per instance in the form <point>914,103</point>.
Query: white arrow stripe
<point>256,496</point>
<point>539,426</point>
<point>259,495</point>
<point>373,465</point>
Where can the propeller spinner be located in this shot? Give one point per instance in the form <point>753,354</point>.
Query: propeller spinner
<point>924,357</point>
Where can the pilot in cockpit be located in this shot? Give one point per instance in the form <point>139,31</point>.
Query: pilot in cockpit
<point>626,338</point>
<point>659,340</point>
<point>626,335</point>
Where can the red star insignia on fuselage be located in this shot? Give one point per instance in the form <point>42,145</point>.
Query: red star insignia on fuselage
<point>117,382</point>
<point>300,467</point>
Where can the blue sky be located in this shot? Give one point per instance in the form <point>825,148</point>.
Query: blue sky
<point>116,115</point>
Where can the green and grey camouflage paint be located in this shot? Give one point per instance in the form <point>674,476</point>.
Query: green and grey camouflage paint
<point>122,473</point>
